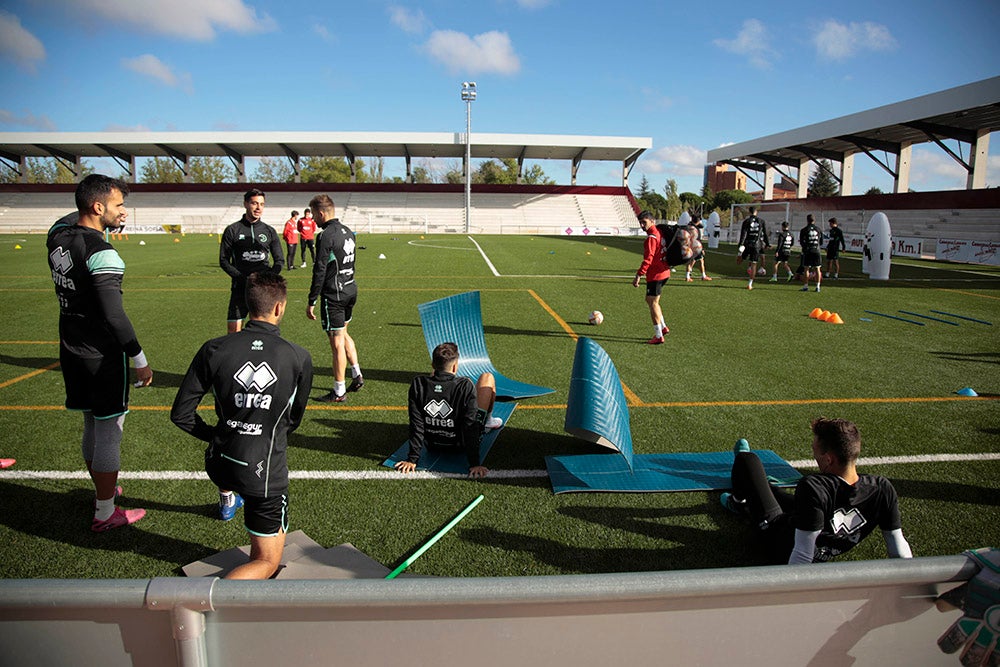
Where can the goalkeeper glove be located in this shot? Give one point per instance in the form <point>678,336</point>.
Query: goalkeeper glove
<point>979,629</point>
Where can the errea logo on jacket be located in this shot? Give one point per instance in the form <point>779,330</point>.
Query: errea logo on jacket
<point>252,377</point>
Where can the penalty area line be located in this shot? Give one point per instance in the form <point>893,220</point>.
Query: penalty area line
<point>485,258</point>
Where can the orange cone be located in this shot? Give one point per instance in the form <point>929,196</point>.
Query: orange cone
<point>824,316</point>
<point>835,319</point>
<point>815,313</point>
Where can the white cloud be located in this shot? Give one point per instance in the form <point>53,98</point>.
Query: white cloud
<point>840,41</point>
<point>488,52</point>
<point>654,100</point>
<point>674,160</point>
<point>28,119</point>
<point>187,19</point>
<point>752,41</point>
<point>934,170</point>
<point>18,44</point>
<point>408,20</point>
<point>323,32</point>
<point>152,67</point>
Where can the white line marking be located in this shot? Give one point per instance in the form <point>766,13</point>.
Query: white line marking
<point>391,475</point>
<point>488,262</point>
<point>417,244</point>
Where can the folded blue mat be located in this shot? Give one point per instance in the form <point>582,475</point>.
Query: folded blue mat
<point>609,473</point>
<point>459,319</point>
<point>454,460</point>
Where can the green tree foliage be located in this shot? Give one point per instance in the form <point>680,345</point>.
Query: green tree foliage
<point>211,169</point>
<point>160,170</point>
<point>422,175</point>
<point>50,170</point>
<point>273,170</point>
<point>822,183</point>
<point>674,206</point>
<point>644,188</point>
<point>692,202</point>
<point>320,169</point>
<point>874,190</point>
<point>725,198</point>
<point>504,172</point>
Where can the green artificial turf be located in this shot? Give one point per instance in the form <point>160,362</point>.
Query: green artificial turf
<point>737,363</point>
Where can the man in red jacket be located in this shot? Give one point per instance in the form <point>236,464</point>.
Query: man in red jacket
<point>307,232</point>
<point>657,273</point>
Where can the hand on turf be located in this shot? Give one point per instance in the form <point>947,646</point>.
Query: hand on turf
<point>478,471</point>
<point>978,630</point>
<point>311,312</point>
<point>144,376</point>
<point>405,466</point>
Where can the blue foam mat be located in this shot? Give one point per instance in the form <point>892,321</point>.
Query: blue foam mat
<point>453,461</point>
<point>459,319</point>
<point>596,410</point>
<point>609,473</point>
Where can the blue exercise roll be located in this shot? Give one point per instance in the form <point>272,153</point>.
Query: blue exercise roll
<point>459,319</point>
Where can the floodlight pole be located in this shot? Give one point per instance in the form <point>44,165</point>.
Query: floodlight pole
<point>468,96</point>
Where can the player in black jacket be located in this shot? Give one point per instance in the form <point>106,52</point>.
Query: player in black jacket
<point>449,411</point>
<point>96,337</point>
<point>783,253</point>
<point>830,513</point>
<point>810,240</point>
<point>261,383</point>
<point>334,288</point>
<point>833,248</point>
<point>753,238</point>
<point>243,250</point>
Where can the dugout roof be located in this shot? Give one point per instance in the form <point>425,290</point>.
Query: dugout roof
<point>963,114</point>
<point>126,146</point>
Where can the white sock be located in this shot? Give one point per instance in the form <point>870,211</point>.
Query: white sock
<point>104,509</point>
<point>688,274</point>
<point>355,370</point>
<point>227,498</point>
<point>658,331</point>
<point>751,281</point>
<point>339,387</point>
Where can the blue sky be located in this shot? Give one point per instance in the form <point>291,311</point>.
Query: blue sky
<point>692,76</point>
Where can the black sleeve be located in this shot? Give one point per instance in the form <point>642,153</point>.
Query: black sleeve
<point>225,252</point>
<point>196,383</point>
<point>108,293</point>
<point>417,440</point>
<point>303,386</point>
<point>319,269</point>
<point>276,252</point>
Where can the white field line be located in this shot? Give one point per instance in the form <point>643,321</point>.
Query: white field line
<point>391,475</point>
<point>487,259</point>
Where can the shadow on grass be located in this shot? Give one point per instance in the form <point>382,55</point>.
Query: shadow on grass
<point>34,363</point>
<point>684,547</point>
<point>323,369</point>
<point>65,518</point>
<point>967,494</point>
<point>367,440</point>
<point>981,357</point>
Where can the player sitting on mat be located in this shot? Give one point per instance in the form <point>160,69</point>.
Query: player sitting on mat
<point>830,513</point>
<point>449,411</point>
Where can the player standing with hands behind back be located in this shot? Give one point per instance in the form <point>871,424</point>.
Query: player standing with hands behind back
<point>96,336</point>
<point>243,250</point>
<point>657,273</point>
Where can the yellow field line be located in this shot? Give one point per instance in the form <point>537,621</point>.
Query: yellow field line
<point>630,395</point>
<point>32,374</point>
<point>958,291</point>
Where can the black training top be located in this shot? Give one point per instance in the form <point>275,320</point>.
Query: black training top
<point>87,272</point>
<point>785,242</point>
<point>443,414</point>
<point>810,238</point>
<point>754,232</point>
<point>836,239</point>
<point>261,384</point>
<point>333,270</point>
<point>245,246</point>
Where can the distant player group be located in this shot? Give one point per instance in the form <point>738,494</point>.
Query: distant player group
<point>668,246</point>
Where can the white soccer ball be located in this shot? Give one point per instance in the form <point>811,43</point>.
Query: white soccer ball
<point>762,271</point>
<point>596,317</point>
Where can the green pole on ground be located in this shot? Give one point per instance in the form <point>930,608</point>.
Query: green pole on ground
<point>437,536</point>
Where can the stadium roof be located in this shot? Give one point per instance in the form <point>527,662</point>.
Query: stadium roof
<point>126,146</point>
<point>963,114</point>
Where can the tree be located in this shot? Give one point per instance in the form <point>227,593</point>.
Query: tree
<point>674,206</point>
<point>726,198</point>
<point>319,169</point>
<point>874,190</point>
<point>692,202</point>
<point>160,170</point>
<point>822,183</point>
<point>422,175</point>
<point>504,172</point>
<point>50,170</point>
<point>211,169</point>
<point>644,188</point>
<point>273,170</point>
